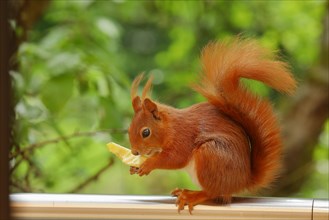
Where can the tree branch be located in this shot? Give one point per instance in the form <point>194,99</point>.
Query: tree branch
<point>32,147</point>
<point>93,177</point>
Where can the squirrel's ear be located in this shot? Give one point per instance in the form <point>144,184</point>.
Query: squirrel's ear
<point>152,108</point>
<point>137,104</point>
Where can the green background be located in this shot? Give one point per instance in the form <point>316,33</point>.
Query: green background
<point>78,62</point>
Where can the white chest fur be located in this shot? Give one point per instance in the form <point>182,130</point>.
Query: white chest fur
<point>190,169</point>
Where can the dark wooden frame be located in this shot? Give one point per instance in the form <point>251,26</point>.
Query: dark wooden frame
<point>7,41</point>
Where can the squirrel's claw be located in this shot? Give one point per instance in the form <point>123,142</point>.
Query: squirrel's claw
<point>133,170</point>
<point>181,200</point>
<point>189,198</point>
<point>139,170</point>
<point>144,169</point>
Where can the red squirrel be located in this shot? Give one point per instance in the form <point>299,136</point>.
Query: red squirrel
<point>228,144</point>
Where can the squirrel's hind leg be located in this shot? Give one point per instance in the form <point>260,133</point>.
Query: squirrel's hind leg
<point>189,198</point>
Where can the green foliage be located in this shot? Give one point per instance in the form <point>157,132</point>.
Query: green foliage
<point>77,64</point>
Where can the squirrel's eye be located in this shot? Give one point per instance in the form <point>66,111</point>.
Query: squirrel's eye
<point>146,132</point>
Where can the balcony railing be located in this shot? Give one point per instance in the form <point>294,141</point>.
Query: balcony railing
<point>78,206</point>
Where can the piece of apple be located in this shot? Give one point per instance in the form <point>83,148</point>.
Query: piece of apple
<point>125,155</point>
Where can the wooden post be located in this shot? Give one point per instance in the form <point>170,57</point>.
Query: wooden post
<point>6,38</point>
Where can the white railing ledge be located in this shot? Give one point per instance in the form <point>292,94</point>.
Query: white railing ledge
<point>85,206</point>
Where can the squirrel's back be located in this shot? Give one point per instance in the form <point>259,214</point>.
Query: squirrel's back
<point>223,66</point>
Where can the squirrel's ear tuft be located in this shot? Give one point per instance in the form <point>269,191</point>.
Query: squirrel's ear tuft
<point>137,104</point>
<point>152,108</point>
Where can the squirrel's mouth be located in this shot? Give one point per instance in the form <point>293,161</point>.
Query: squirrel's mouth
<point>152,151</point>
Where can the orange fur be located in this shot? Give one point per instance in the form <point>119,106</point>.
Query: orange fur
<point>233,140</point>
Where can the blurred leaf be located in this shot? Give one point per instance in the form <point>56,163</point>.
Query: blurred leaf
<point>63,63</point>
<point>108,27</point>
<point>56,92</point>
<point>55,37</point>
<point>31,109</point>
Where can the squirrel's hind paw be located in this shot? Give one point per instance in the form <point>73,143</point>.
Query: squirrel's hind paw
<point>189,198</point>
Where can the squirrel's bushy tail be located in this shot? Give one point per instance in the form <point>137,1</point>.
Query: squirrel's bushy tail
<point>223,66</point>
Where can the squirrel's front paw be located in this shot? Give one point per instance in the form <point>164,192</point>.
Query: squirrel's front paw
<point>144,169</point>
<point>133,170</point>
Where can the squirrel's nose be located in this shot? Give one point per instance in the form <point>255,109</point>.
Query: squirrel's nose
<point>134,152</point>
